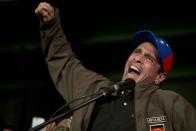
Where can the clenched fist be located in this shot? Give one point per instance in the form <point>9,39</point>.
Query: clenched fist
<point>45,11</point>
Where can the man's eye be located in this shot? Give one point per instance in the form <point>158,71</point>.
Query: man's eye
<point>150,59</point>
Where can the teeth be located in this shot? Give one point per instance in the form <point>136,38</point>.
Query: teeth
<point>134,68</point>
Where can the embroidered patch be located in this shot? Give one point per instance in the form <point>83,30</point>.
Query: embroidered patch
<point>159,119</point>
<point>157,127</point>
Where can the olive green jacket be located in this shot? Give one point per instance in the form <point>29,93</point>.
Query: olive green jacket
<point>154,108</point>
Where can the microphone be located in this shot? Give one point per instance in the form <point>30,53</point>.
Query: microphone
<point>123,85</point>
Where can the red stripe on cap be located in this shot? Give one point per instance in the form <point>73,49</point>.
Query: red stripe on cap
<point>168,63</point>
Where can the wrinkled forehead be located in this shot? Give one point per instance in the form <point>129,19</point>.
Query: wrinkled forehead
<point>150,49</point>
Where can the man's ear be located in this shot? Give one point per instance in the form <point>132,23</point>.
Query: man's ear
<point>160,78</point>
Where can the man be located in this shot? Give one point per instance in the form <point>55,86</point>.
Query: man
<point>145,108</point>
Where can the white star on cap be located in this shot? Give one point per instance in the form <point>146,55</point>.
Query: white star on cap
<point>161,41</point>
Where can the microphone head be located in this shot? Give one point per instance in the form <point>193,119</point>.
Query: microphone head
<point>124,85</point>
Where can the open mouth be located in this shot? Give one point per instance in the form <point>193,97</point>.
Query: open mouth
<point>135,70</point>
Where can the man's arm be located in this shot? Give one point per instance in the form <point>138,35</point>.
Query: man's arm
<point>69,76</point>
<point>56,49</point>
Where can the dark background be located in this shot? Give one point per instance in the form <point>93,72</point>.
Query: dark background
<point>100,34</point>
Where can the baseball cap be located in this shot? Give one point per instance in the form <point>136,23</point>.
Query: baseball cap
<point>164,50</point>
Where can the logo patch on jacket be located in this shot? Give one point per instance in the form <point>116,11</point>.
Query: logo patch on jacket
<point>157,127</point>
<point>159,119</point>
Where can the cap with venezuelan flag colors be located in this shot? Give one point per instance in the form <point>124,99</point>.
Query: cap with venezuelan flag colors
<point>164,49</point>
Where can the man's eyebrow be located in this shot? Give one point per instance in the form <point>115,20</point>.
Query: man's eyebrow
<point>137,49</point>
<point>151,56</point>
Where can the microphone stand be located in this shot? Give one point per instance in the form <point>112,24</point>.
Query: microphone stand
<point>76,107</point>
